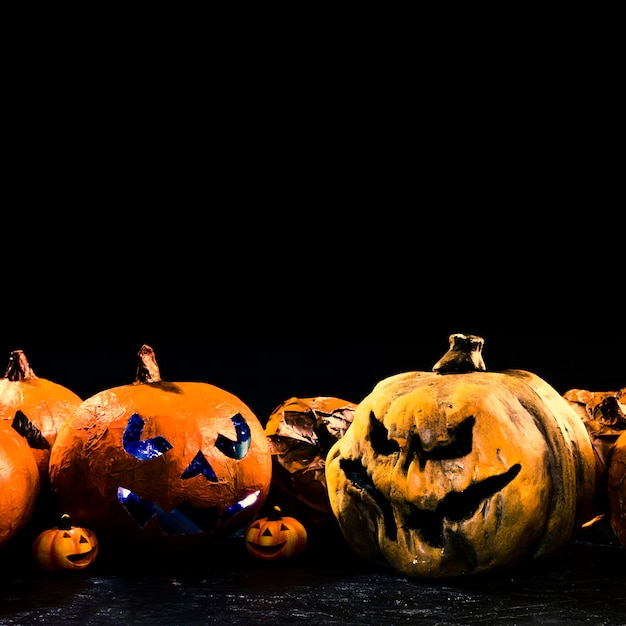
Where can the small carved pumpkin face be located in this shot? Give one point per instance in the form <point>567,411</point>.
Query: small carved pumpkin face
<point>165,461</point>
<point>65,547</point>
<point>275,537</point>
<point>455,472</point>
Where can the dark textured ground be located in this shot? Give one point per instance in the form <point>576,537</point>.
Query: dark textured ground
<point>327,585</point>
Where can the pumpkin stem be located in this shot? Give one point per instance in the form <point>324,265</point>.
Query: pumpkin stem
<point>463,356</point>
<point>147,368</point>
<point>64,523</point>
<point>19,368</point>
<point>275,514</point>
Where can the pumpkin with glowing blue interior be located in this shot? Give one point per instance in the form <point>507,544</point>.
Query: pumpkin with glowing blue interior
<point>162,462</point>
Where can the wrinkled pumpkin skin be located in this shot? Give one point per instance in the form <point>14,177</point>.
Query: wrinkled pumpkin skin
<point>617,488</point>
<point>604,416</point>
<point>171,463</point>
<point>19,483</point>
<point>454,474</point>
<point>36,407</point>
<point>300,432</point>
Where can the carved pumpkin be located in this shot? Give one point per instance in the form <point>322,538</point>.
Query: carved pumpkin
<point>460,470</point>
<point>65,547</point>
<point>275,537</point>
<point>301,431</point>
<point>35,407</point>
<point>616,486</point>
<point>604,416</point>
<point>19,483</point>
<point>175,463</point>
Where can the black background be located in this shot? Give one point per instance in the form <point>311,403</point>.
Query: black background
<point>290,224</point>
<point>280,305</point>
<point>280,264</point>
<point>291,249</point>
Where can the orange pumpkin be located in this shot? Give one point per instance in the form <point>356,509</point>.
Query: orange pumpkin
<point>174,463</point>
<point>300,432</point>
<point>65,547</point>
<point>460,470</point>
<point>275,537</point>
<point>19,483</point>
<point>604,416</point>
<point>616,487</point>
<point>36,407</point>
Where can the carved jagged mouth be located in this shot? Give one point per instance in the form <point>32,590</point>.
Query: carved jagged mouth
<point>267,549</point>
<point>185,518</point>
<point>456,506</point>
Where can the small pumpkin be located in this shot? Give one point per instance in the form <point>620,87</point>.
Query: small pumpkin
<point>65,547</point>
<point>460,470</point>
<point>616,488</point>
<point>174,464</point>
<point>19,483</point>
<point>276,536</point>
<point>300,432</point>
<point>35,407</point>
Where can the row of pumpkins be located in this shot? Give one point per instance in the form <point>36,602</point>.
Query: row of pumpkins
<point>439,473</point>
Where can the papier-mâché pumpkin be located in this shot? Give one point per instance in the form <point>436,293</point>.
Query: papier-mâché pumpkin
<point>35,407</point>
<point>300,432</point>
<point>19,483</point>
<point>175,463</point>
<point>604,416</point>
<point>616,487</point>
<point>459,470</point>
<point>65,547</point>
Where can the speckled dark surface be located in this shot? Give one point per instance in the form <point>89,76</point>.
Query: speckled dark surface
<point>222,584</point>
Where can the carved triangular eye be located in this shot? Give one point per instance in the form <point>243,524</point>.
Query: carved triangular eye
<point>200,465</point>
<point>283,527</point>
<point>239,448</point>
<point>83,539</point>
<point>379,436</point>
<point>142,449</point>
<point>66,535</point>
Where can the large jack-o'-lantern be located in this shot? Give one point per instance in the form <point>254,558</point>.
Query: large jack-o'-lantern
<point>460,470</point>
<point>176,463</point>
